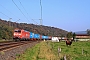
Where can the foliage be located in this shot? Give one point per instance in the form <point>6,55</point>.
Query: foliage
<point>88,31</point>
<point>69,35</point>
<point>6,29</point>
<point>74,36</point>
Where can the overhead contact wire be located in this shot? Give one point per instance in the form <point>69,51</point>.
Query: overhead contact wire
<point>5,14</point>
<point>9,11</point>
<point>20,10</point>
<point>26,11</point>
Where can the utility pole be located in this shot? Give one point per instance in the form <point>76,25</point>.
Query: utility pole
<point>40,15</point>
<point>17,23</point>
<point>9,23</point>
<point>41,21</point>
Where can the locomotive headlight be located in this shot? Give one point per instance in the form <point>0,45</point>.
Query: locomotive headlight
<point>14,34</point>
<point>19,34</point>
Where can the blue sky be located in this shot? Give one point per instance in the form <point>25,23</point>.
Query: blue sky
<point>69,15</point>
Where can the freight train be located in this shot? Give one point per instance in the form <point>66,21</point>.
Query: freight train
<point>21,34</point>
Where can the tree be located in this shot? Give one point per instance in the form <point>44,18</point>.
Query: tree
<point>74,36</point>
<point>88,32</point>
<point>62,36</point>
<point>69,35</point>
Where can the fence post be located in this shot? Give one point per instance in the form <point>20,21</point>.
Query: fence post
<point>82,51</point>
<point>65,57</point>
<point>59,51</point>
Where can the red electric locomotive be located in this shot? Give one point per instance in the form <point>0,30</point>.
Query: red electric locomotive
<point>20,34</point>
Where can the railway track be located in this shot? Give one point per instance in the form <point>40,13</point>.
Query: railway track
<point>10,45</point>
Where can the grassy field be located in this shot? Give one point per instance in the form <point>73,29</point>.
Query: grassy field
<point>49,51</point>
<point>77,51</point>
<point>39,52</point>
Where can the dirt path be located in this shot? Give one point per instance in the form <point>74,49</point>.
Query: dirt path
<point>45,52</point>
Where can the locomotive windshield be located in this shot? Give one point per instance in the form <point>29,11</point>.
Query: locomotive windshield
<point>19,31</point>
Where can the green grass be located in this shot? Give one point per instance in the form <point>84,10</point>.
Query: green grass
<point>40,51</point>
<point>30,54</point>
<point>74,51</point>
<point>49,51</point>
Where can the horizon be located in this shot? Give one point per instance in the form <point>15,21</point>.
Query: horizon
<point>51,26</point>
<point>67,15</point>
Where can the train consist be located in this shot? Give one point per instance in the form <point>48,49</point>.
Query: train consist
<point>20,34</point>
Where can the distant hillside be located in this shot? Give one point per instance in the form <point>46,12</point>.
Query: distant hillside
<point>81,32</point>
<point>40,29</point>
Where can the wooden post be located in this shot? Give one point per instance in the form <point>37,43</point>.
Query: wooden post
<point>59,51</point>
<point>65,57</point>
<point>82,51</point>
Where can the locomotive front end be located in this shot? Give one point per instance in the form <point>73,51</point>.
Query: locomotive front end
<point>17,34</point>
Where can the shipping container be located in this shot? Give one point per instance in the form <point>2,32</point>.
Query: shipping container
<point>31,35</point>
<point>44,37</point>
<point>36,36</point>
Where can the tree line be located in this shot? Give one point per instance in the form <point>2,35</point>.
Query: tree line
<point>5,31</point>
<point>7,27</point>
